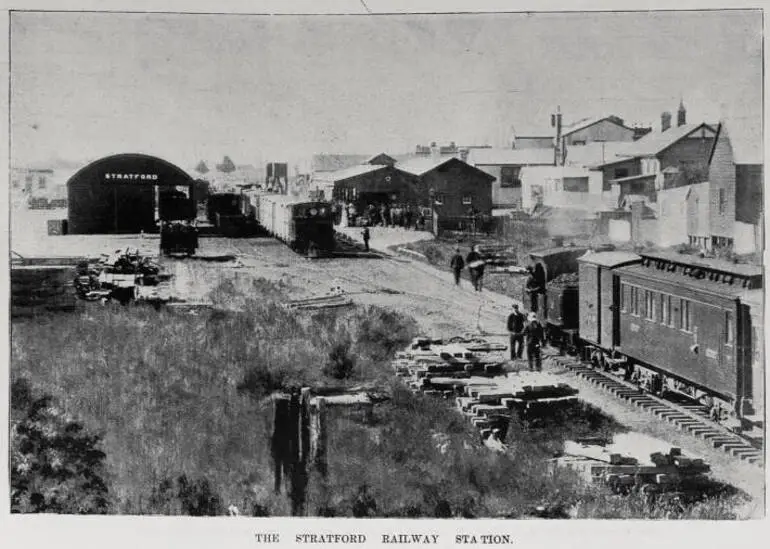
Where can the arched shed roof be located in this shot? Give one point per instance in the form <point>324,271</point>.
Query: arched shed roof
<point>134,168</point>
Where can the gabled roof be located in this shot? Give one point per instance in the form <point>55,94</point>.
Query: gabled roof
<point>421,166</point>
<point>332,162</point>
<point>511,157</point>
<point>381,159</point>
<point>588,122</point>
<point>656,142</point>
<point>347,173</point>
<point>745,135</point>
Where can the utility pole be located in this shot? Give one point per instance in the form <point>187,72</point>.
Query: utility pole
<point>557,150</point>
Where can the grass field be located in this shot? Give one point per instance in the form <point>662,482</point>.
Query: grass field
<point>181,404</point>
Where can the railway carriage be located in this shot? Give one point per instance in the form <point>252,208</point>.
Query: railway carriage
<point>672,323</point>
<point>685,327</point>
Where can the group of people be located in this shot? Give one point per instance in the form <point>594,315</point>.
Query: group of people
<point>387,215</point>
<point>475,263</point>
<point>526,332</point>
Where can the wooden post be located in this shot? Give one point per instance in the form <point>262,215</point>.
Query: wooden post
<point>279,446</point>
<point>320,437</point>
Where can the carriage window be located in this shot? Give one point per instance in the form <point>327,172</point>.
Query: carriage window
<point>635,298</point>
<point>649,305</point>
<point>685,315</point>
<point>623,290</point>
<point>729,328</point>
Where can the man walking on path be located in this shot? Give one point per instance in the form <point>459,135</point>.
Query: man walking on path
<point>475,267</point>
<point>366,238</point>
<point>457,264</point>
<point>516,329</point>
<point>535,336</point>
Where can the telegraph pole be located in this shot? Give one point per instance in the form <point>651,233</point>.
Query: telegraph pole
<point>557,150</point>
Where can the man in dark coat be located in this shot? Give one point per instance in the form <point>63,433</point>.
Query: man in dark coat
<point>457,264</point>
<point>475,267</point>
<point>535,336</point>
<point>516,329</point>
<point>366,238</point>
<point>533,288</point>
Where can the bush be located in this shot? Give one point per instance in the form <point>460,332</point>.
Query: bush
<point>183,496</point>
<point>56,466</point>
<point>340,362</point>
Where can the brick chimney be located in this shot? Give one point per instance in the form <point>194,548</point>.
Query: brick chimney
<point>665,121</point>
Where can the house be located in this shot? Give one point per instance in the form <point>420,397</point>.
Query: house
<point>597,129</point>
<point>505,166</point>
<point>451,185</point>
<point>639,167</point>
<point>735,194</point>
<point>561,187</point>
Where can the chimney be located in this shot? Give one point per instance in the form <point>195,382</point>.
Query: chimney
<point>665,121</point>
<point>681,114</point>
<point>558,154</point>
<point>435,152</point>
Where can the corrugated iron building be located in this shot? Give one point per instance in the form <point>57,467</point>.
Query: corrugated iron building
<point>117,194</point>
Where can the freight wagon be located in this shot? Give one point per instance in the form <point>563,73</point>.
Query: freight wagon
<point>305,226</point>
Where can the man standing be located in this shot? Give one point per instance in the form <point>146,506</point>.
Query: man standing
<point>516,329</point>
<point>475,267</point>
<point>535,336</point>
<point>457,264</point>
<point>366,238</point>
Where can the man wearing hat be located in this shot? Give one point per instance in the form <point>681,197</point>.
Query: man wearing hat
<point>457,264</point>
<point>516,329</point>
<point>476,267</point>
<point>535,336</point>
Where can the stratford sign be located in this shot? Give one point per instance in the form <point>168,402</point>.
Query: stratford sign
<point>131,176</point>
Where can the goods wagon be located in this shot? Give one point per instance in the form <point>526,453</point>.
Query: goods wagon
<point>305,226</point>
<point>226,212</point>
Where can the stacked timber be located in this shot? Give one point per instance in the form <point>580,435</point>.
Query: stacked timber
<point>39,288</point>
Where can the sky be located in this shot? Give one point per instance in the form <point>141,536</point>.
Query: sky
<point>281,88</point>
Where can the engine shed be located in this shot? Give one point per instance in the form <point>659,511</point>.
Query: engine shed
<point>128,193</point>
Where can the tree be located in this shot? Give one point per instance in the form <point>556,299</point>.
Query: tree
<point>56,466</point>
<point>201,168</point>
<point>227,165</point>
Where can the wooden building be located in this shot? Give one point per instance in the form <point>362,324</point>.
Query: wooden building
<point>452,186</point>
<point>505,165</point>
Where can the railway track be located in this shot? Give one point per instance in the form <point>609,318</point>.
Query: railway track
<point>690,418</point>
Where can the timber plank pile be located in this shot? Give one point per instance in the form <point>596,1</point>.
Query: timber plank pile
<point>36,288</point>
<point>624,466</point>
<point>481,382</point>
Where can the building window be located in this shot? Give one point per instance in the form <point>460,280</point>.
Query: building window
<point>665,311</point>
<point>685,315</point>
<point>467,200</point>
<point>41,182</point>
<point>509,177</point>
<point>576,184</point>
<point>722,201</point>
<point>649,305</point>
<point>621,173</point>
<point>729,328</point>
